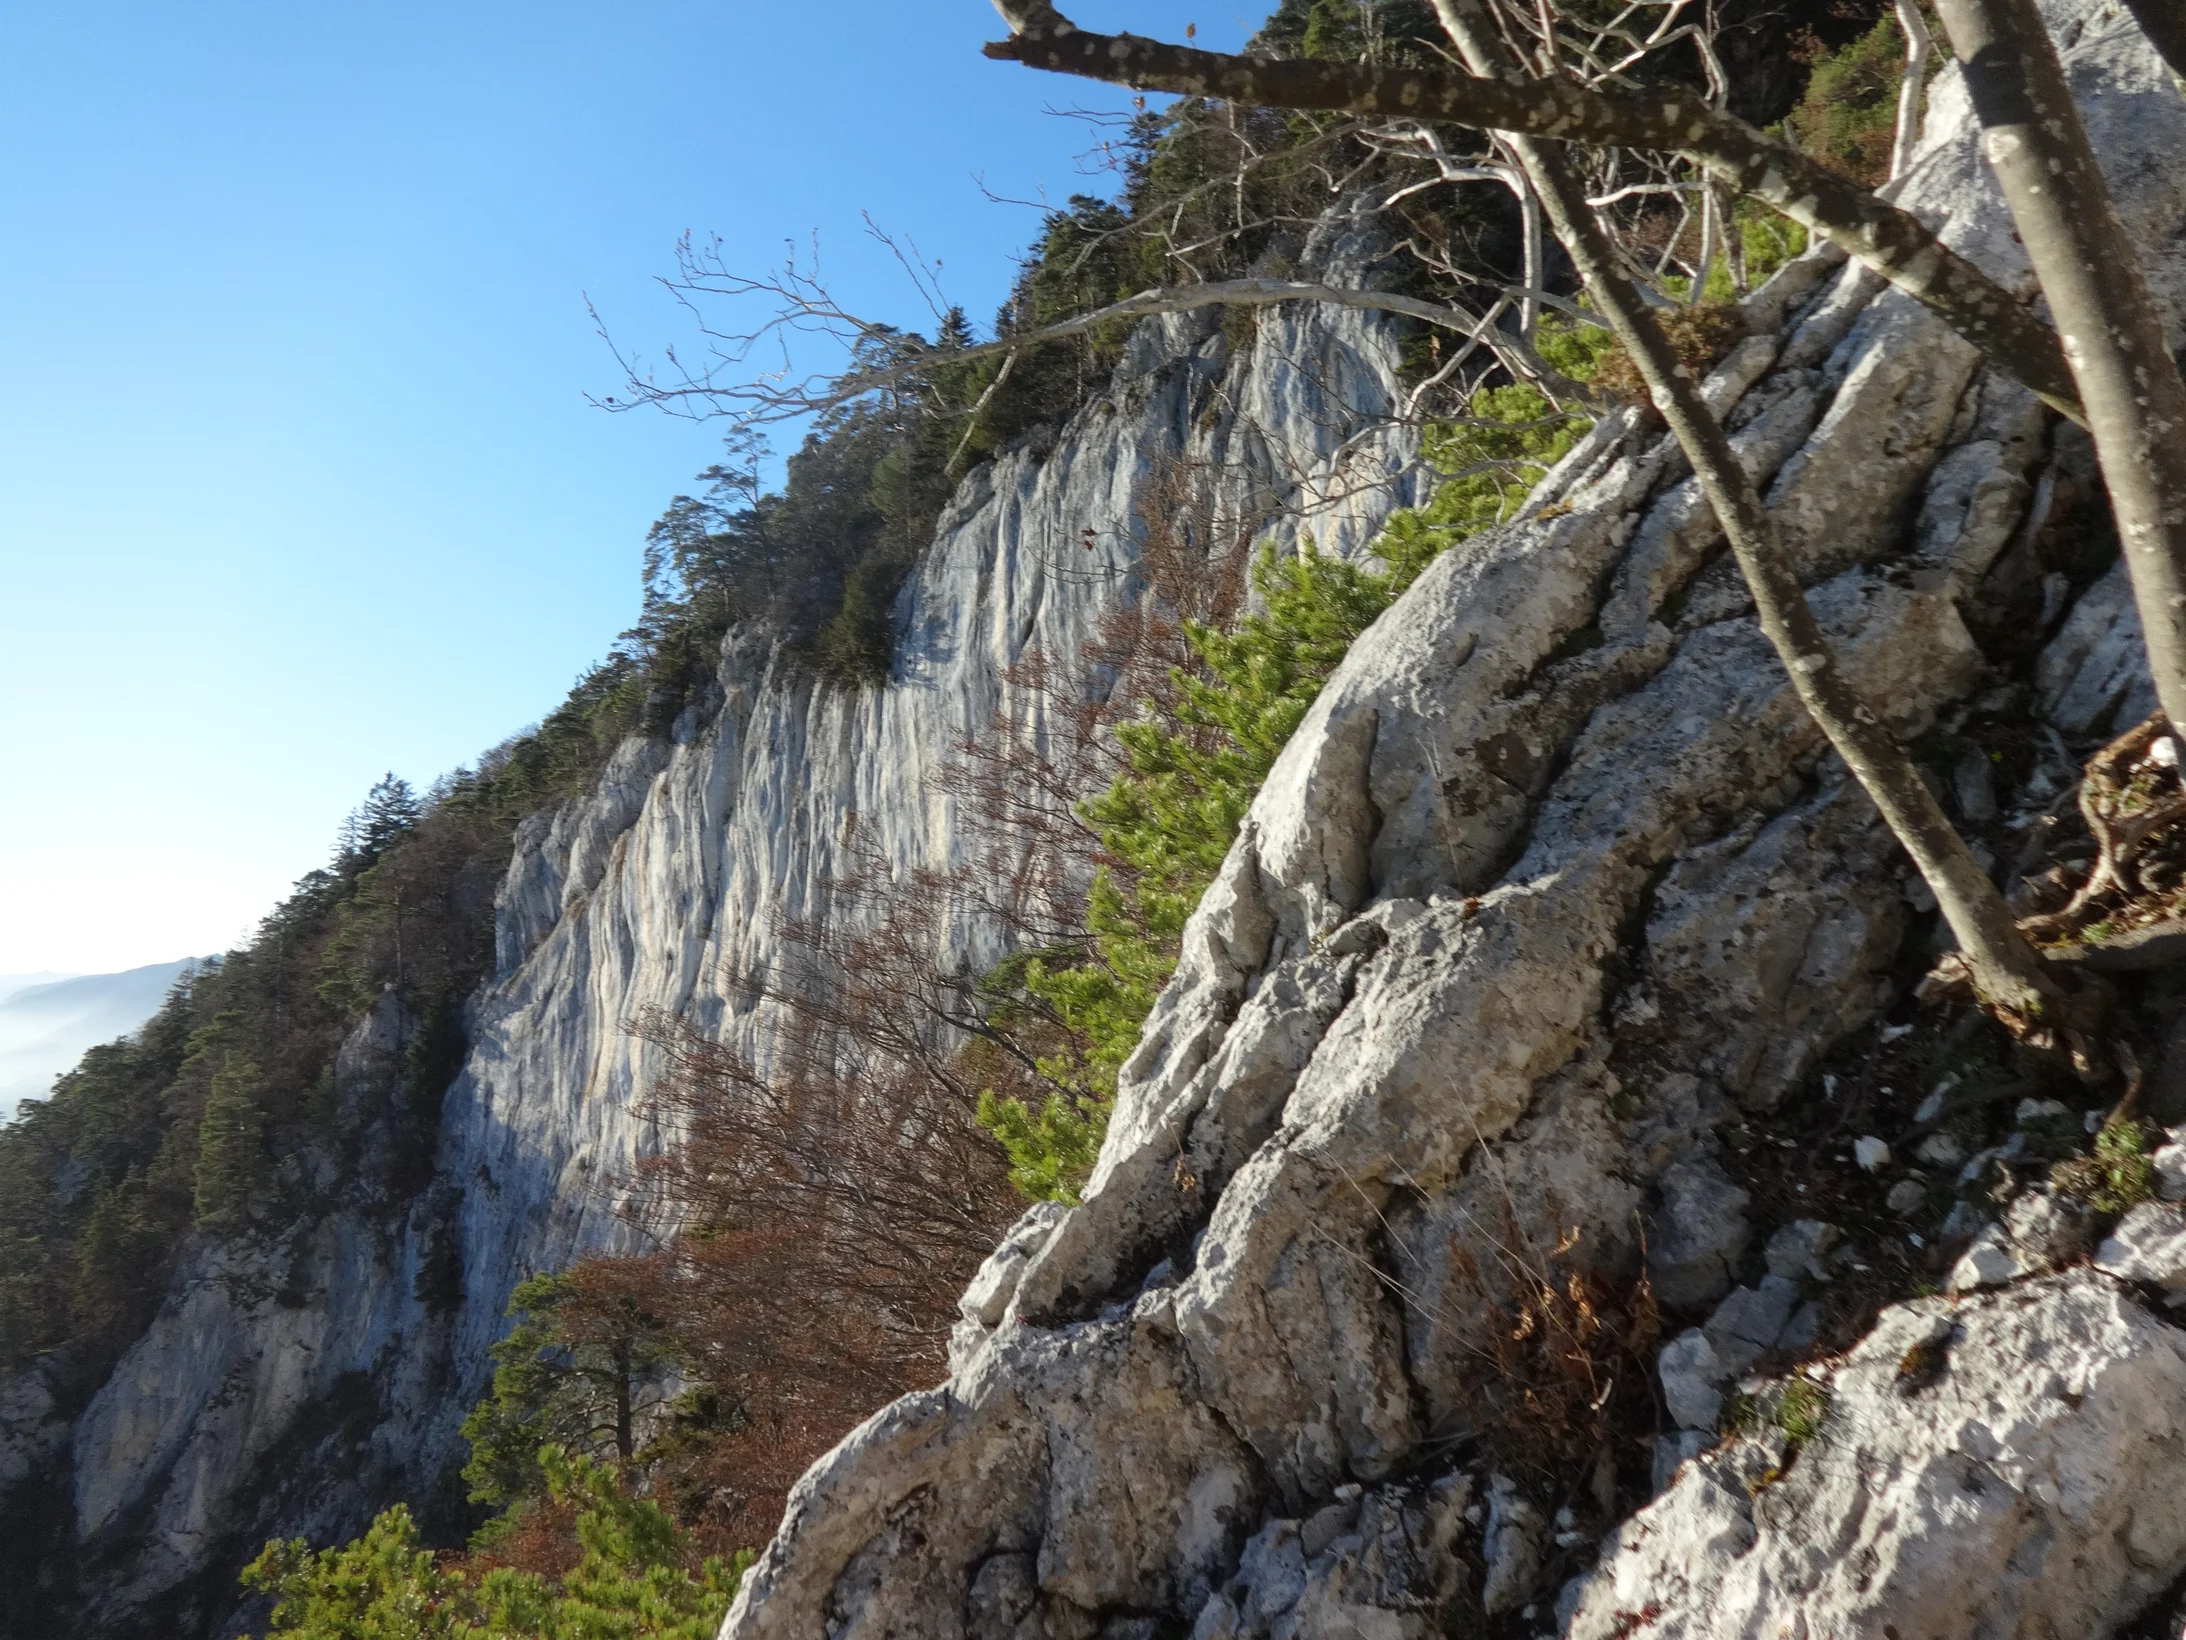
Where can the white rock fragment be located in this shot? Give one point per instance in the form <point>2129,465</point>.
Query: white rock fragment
<point>2047,1229</point>
<point>1749,1321</point>
<point>2040,1230</point>
<point>2169,1164</point>
<point>1699,1235</point>
<point>2148,1245</point>
<point>1941,1150</point>
<point>1932,1106</point>
<point>1692,1378</point>
<point>1870,1153</point>
<point>1511,1547</point>
<point>988,1296</point>
<point>1989,1262</point>
<point>1798,1250</point>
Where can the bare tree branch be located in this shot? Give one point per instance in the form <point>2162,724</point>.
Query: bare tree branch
<point>2008,972</point>
<point>1918,46</point>
<point>774,401</point>
<point>2136,402</point>
<point>1893,242</point>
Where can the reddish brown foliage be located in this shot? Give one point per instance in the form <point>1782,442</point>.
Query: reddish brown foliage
<point>541,1538</point>
<point>819,1212</point>
<point>825,1214</point>
<point>1053,742</point>
<point>1569,1352</point>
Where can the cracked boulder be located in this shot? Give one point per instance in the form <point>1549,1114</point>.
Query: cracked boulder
<point>2005,1467</point>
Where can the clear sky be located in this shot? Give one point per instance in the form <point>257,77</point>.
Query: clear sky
<point>298,481</point>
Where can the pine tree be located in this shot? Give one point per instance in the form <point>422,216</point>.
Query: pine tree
<point>579,1369</point>
<point>390,809</point>
<point>231,1158</point>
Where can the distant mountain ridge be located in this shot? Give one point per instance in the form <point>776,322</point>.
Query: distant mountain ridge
<point>12,983</point>
<point>47,1021</point>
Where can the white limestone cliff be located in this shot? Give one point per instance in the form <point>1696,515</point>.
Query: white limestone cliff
<point>1554,881</point>
<point>298,1391</point>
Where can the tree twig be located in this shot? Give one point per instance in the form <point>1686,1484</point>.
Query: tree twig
<point>1893,242</point>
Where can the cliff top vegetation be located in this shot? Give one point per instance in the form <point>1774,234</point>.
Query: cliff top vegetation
<point>228,1117</point>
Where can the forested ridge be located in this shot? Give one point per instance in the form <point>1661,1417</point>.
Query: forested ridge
<point>650,1411</point>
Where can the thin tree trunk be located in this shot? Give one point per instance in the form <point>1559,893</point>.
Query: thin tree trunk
<point>626,1445</point>
<point>1911,89</point>
<point>1536,263</point>
<point>2089,271</point>
<point>1893,242</point>
<point>2007,971</point>
<point>1710,220</point>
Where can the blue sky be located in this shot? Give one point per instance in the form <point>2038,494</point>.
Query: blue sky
<point>298,481</point>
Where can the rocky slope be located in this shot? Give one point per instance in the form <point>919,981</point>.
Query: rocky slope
<point>1550,908</point>
<point>1553,905</point>
<point>298,1389</point>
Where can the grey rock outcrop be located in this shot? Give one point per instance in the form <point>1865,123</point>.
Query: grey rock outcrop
<point>297,1388</point>
<point>2039,1231</point>
<point>1554,880</point>
<point>1699,1235</point>
<point>2149,1245</point>
<point>2028,1489</point>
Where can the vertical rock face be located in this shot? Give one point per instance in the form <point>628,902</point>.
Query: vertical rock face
<point>297,1389</point>
<point>1553,882</point>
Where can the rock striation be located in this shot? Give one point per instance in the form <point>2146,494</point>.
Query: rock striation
<point>1554,883</point>
<point>298,1388</point>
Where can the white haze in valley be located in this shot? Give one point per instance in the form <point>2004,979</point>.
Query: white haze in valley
<point>48,1020</point>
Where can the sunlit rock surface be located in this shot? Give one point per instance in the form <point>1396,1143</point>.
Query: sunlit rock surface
<point>1554,880</point>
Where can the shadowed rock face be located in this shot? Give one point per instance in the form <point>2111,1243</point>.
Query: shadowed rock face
<point>297,1389</point>
<point>1553,879</point>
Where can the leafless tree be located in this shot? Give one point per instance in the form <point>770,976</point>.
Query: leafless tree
<point>796,299</point>
<point>1517,86</point>
<point>1559,107</point>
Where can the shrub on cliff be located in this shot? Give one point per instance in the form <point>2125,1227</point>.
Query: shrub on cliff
<point>1196,756</point>
<point>579,1371</point>
<point>1849,113</point>
<point>635,1580</point>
